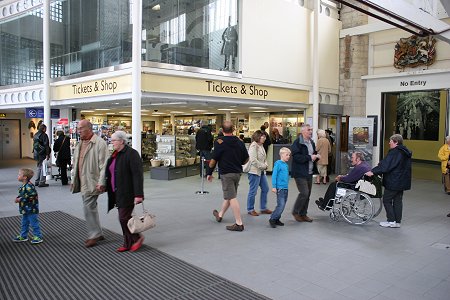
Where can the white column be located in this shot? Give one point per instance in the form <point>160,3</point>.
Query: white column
<point>136,93</point>
<point>46,74</point>
<point>228,116</point>
<point>172,121</point>
<point>316,69</point>
<point>46,59</point>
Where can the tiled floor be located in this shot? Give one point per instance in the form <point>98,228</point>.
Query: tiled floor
<point>321,260</point>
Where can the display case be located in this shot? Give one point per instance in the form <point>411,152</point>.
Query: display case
<point>148,150</point>
<point>165,151</point>
<point>178,155</point>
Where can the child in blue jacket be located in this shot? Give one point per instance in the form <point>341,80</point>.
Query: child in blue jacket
<point>280,184</point>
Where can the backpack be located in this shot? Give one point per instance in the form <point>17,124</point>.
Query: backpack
<point>38,148</point>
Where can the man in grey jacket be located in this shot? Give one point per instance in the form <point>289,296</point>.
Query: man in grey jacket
<point>88,177</point>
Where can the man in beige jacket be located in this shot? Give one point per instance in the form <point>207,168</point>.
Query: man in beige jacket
<point>88,177</point>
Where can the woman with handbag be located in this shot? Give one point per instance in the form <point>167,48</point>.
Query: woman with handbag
<point>62,148</point>
<point>257,174</point>
<point>124,182</point>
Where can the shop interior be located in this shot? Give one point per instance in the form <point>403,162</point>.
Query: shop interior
<point>169,126</point>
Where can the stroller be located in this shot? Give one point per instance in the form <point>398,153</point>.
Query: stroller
<point>57,176</point>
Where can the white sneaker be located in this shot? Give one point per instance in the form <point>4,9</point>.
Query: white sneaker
<point>390,224</point>
<point>395,225</point>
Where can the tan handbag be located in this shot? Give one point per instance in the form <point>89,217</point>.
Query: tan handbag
<point>140,223</point>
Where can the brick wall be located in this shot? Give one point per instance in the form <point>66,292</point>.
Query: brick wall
<point>353,56</point>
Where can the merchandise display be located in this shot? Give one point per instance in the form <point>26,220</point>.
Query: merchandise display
<point>148,151</point>
<point>179,150</point>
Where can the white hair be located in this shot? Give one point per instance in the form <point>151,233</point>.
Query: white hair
<point>120,135</point>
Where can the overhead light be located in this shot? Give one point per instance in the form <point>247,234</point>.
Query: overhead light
<point>158,113</point>
<point>177,112</point>
<point>209,113</point>
<point>230,109</point>
<point>166,103</point>
<point>257,107</point>
<point>156,7</point>
<point>110,113</point>
<point>116,103</point>
<point>292,109</point>
<point>124,112</point>
<point>86,111</point>
<point>102,109</point>
<point>199,110</point>
<point>144,110</point>
<point>234,112</point>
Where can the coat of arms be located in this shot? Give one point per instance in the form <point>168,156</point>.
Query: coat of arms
<point>414,51</point>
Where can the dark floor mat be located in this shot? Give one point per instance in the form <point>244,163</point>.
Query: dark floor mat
<point>61,268</point>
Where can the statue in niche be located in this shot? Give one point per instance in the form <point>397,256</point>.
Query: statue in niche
<point>229,47</point>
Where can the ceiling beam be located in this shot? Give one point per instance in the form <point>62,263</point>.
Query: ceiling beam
<point>403,15</point>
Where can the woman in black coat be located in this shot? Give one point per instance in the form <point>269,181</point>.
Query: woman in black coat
<point>62,148</point>
<point>396,171</point>
<point>125,186</point>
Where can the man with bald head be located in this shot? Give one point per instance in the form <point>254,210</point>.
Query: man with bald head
<point>231,154</point>
<point>88,177</point>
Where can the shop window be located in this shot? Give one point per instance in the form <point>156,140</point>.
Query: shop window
<point>193,33</point>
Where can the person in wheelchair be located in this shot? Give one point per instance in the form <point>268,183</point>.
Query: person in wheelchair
<point>359,168</point>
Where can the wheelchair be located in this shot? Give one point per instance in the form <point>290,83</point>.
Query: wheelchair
<point>354,206</point>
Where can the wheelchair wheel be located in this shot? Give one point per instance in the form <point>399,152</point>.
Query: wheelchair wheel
<point>334,215</point>
<point>356,208</point>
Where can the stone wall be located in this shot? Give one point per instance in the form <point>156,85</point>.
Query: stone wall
<point>353,56</point>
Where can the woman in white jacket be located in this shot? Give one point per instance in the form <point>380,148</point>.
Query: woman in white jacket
<point>257,174</point>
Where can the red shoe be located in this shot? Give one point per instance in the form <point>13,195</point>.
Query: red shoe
<point>122,249</point>
<point>138,244</point>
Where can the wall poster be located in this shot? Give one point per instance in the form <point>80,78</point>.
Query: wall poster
<point>418,115</point>
<point>360,138</point>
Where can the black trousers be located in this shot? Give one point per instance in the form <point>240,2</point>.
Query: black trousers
<point>63,169</point>
<point>124,215</point>
<point>304,186</point>
<point>393,204</point>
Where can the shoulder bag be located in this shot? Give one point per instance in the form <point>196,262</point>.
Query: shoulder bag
<point>140,223</point>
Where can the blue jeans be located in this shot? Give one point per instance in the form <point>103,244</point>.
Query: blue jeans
<point>282,196</point>
<point>33,221</point>
<point>255,181</point>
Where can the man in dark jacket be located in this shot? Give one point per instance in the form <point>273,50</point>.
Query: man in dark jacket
<point>231,154</point>
<point>396,170</point>
<point>303,167</point>
<point>267,141</point>
<point>62,147</point>
<point>41,151</point>
<point>203,143</point>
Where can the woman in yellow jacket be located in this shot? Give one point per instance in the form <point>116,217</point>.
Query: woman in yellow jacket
<point>444,156</point>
